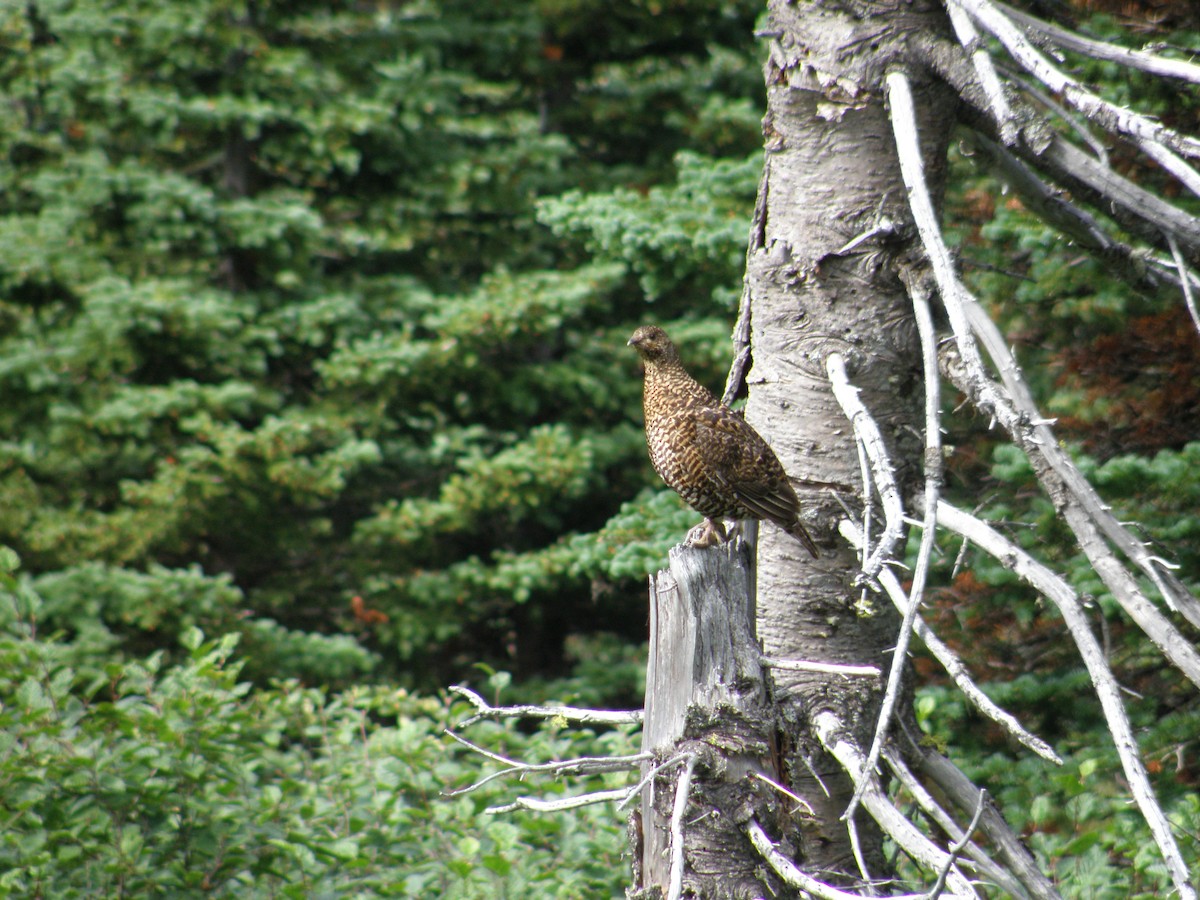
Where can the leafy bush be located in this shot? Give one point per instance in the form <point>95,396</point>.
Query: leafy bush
<point>149,779</point>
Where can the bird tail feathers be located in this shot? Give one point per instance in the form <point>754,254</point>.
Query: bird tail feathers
<point>799,533</point>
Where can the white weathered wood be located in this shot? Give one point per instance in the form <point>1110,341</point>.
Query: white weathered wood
<point>702,647</point>
<point>706,702</point>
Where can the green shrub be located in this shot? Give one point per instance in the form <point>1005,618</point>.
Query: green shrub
<point>181,781</point>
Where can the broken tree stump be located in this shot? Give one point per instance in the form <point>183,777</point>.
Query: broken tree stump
<point>707,700</point>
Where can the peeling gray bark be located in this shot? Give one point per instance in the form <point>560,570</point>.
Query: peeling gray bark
<point>832,175</point>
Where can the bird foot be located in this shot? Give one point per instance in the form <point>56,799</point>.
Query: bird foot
<point>709,533</point>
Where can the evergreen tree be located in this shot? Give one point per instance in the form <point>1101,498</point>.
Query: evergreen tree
<point>312,334</point>
<point>282,322</point>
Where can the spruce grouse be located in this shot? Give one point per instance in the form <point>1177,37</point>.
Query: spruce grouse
<point>706,452</point>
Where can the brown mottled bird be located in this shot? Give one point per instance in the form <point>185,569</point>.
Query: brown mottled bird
<point>706,452</point>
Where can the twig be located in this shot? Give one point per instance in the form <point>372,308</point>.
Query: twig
<point>904,128</point>
<point>682,789</point>
<point>1186,280</point>
<point>485,710</point>
<point>963,681</point>
<point>957,848</point>
<point>1064,598</point>
<point>651,775</point>
<point>868,510</point>
<point>859,859</point>
<point>583,765</point>
<point>883,475</point>
<point>961,558</point>
<point>812,770</point>
<point>804,665</point>
<point>783,790</point>
<point>483,751</point>
<point>536,805</point>
<point>882,225</point>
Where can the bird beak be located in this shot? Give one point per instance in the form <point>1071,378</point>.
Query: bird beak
<point>632,342</point>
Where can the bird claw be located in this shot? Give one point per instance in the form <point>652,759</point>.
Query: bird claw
<point>708,533</point>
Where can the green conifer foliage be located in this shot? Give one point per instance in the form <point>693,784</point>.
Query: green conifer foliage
<point>312,334</point>
<point>280,321</point>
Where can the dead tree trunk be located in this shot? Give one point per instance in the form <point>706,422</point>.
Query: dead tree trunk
<point>823,277</point>
<point>832,232</point>
<point>710,723</point>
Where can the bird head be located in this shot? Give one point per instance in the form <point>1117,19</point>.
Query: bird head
<point>653,345</point>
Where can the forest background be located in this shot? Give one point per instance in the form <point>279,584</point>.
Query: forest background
<point>316,400</point>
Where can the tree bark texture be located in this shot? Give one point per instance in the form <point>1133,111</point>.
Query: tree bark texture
<point>831,176</point>
<point>706,696</point>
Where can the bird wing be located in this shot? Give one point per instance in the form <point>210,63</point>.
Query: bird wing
<point>745,466</point>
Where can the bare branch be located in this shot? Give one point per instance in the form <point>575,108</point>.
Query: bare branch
<point>1134,59</point>
<point>583,765</point>
<point>800,801</point>
<point>1173,163</point>
<point>868,508</point>
<point>1017,412</point>
<point>933,481</point>
<point>869,436</point>
<point>882,227</point>
<point>830,732</point>
<point>1062,596</point>
<point>957,848</point>
<point>793,877</point>
<point>804,665</point>
<point>1085,504</point>
<point>1136,208</point>
<point>859,859</point>
<point>1125,589</point>
<point>953,665</point>
<point>984,863</point>
<point>1008,847</point>
<point>1185,278</point>
<point>485,710</point>
<point>1109,116</point>
<point>1002,113</point>
<point>1076,122</point>
<point>654,772</point>
<point>908,149</point>
<point>682,789</point>
<point>536,805</point>
<point>1083,228</point>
